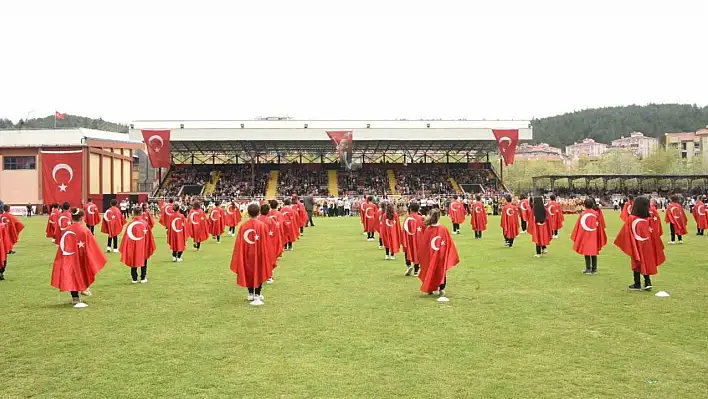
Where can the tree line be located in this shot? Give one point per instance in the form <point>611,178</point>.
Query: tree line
<point>69,121</point>
<point>610,123</point>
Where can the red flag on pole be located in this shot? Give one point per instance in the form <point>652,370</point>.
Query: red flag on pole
<point>507,140</point>
<point>62,177</point>
<point>158,147</point>
<point>343,140</point>
<point>58,115</point>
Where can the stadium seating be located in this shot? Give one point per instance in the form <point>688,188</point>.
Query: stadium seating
<point>363,181</point>
<point>302,180</point>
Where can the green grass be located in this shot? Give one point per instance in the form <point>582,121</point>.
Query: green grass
<point>342,322</point>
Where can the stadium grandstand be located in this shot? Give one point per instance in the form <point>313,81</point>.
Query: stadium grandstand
<point>276,157</point>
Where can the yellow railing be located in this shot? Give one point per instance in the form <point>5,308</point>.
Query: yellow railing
<point>272,187</point>
<point>454,185</point>
<point>392,182</point>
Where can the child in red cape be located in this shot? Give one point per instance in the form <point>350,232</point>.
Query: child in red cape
<point>78,260</point>
<point>676,218</point>
<point>437,255</point>
<point>478,220</point>
<point>197,226</point>
<point>391,231</point>
<point>176,234</point>
<point>457,213</point>
<point>412,231</point>
<point>540,227</point>
<point>137,246</point>
<point>642,243</point>
<point>112,225</point>
<point>14,228</point>
<point>272,238</point>
<point>509,222</point>
<point>52,221</point>
<point>524,212</point>
<point>589,235</point>
<point>251,260</point>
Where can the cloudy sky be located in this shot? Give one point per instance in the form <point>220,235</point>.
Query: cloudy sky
<point>366,59</point>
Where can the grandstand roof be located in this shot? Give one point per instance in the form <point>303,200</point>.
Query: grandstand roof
<point>624,177</point>
<point>234,136</point>
<point>61,137</point>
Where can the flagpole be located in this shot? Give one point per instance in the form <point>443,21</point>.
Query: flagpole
<point>55,119</point>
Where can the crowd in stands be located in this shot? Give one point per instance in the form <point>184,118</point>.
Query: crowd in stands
<point>299,181</point>
<point>193,175</point>
<point>437,180</point>
<point>359,182</point>
<point>235,181</point>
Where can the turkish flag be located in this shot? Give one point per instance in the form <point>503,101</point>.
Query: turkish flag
<point>58,115</point>
<point>137,244</point>
<point>437,255</point>
<point>457,212</point>
<point>91,215</point>
<point>642,243</point>
<point>216,221</point>
<point>676,216</point>
<point>62,177</point>
<point>391,233</point>
<point>507,140</point>
<point>176,234</point>
<point>510,221</point>
<point>158,147</point>
<point>479,216</point>
<point>252,260</point>
<point>589,233</point>
<point>413,230</point>
<point>14,228</point>
<point>78,259</point>
<point>273,239</point>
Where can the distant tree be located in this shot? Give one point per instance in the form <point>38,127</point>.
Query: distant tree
<point>69,121</point>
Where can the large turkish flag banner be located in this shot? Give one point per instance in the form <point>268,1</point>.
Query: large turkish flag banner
<point>158,147</point>
<point>507,140</point>
<point>62,177</point>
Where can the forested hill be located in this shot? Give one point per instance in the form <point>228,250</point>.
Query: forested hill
<point>606,124</point>
<point>68,122</point>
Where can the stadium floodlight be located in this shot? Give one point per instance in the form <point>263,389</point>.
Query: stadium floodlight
<point>181,125</point>
<point>368,125</point>
<point>306,126</point>
<point>242,126</point>
<point>428,125</point>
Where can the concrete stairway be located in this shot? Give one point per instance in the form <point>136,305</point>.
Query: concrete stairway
<point>333,182</point>
<point>392,182</point>
<point>272,187</point>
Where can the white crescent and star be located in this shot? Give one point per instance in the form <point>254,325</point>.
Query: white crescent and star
<point>59,222</point>
<point>432,243</point>
<point>389,225</point>
<point>674,213</point>
<point>701,210</point>
<point>174,226</point>
<point>211,215</point>
<point>191,218</point>
<point>4,220</point>
<point>230,210</point>
<point>105,215</point>
<point>584,221</point>
<point>406,228</point>
<point>367,213</point>
<point>169,211</point>
<point>89,209</point>
<point>61,244</point>
<point>634,230</point>
<point>130,232</point>
<point>509,210</point>
<point>246,236</point>
<point>455,208</point>
<point>550,207</point>
<point>158,138</point>
<point>477,209</point>
<point>522,206</point>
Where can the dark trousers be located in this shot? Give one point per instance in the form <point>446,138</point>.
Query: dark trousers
<point>638,282</point>
<point>114,240</point>
<point>555,232</point>
<point>176,254</point>
<point>309,219</point>
<point>289,245</point>
<point>455,227</point>
<point>369,235</point>
<point>699,232</point>
<point>4,266</point>
<point>75,294</point>
<point>477,234</point>
<point>509,241</point>
<point>232,229</point>
<point>539,249</point>
<point>143,272</point>
<point>673,233</point>
<point>444,284</point>
<point>416,267</point>
<point>91,229</point>
<point>256,290</point>
<point>523,225</point>
<point>591,262</point>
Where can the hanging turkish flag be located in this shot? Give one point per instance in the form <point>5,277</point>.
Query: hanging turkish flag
<point>62,177</point>
<point>343,140</point>
<point>158,147</point>
<point>507,140</point>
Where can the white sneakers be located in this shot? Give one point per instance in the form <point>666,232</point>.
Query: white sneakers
<point>257,302</point>
<point>174,259</point>
<point>144,281</point>
<point>80,305</point>
<point>108,249</point>
<point>409,270</point>
<point>387,257</point>
<point>115,250</point>
<point>269,281</point>
<point>179,259</point>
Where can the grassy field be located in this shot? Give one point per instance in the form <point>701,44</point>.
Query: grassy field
<point>340,321</point>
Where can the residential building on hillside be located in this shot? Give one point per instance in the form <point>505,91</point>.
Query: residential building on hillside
<point>689,144</point>
<point>540,152</point>
<point>587,147</point>
<point>638,143</point>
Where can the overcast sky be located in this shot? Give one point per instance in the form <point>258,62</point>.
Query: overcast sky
<point>365,59</point>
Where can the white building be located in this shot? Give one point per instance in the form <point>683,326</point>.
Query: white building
<point>587,147</point>
<point>638,143</point>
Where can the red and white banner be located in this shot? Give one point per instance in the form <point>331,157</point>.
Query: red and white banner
<point>62,177</point>
<point>343,140</point>
<point>158,147</point>
<point>507,140</point>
